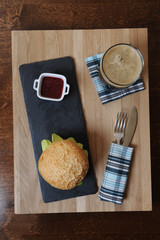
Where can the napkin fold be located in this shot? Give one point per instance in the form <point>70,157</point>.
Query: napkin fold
<point>116,173</point>
<point>108,93</point>
<point>64,118</point>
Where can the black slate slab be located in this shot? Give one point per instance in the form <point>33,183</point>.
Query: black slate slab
<point>64,118</point>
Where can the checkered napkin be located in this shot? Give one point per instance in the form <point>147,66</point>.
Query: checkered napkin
<point>108,93</point>
<point>116,173</point>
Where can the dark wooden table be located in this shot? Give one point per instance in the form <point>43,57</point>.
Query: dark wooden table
<point>76,14</point>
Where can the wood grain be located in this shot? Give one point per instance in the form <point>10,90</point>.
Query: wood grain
<point>91,14</point>
<point>30,46</point>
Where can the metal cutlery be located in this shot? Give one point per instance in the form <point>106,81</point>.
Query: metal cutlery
<point>120,124</point>
<point>124,129</point>
<point>130,127</point>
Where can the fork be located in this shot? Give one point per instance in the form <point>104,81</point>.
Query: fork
<point>120,124</point>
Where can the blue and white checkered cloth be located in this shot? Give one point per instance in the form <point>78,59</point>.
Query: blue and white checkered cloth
<point>106,92</point>
<point>116,173</point>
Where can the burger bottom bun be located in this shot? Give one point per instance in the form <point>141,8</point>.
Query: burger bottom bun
<point>63,164</point>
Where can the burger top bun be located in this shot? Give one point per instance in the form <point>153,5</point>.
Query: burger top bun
<point>63,164</point>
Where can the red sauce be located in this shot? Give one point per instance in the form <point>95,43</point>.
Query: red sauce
<point>52,87</point>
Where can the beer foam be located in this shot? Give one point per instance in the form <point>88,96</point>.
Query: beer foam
<point>122,64</point>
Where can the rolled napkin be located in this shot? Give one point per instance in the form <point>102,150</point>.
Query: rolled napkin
<point>108,93</point>
<point>116,173</point>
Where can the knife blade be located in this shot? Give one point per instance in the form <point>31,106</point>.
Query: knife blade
<point>131,126</point>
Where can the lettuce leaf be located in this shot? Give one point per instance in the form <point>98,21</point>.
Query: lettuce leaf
<point>72,139</point>
<point>80,145</point>
<point>55,138</point>
<point>86,152</point>
<point>45,144</point>
<point>79,184</point>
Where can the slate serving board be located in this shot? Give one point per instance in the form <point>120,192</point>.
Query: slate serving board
<point>64,118</point>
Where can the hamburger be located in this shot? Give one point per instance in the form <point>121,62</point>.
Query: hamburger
<point>63,162</point>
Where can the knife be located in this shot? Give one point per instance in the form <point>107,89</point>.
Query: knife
<point>131,126</point>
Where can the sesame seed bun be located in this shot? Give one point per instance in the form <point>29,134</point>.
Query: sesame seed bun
<point>63,164</point>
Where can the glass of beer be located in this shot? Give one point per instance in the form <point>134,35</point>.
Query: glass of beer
<point>121,65</point>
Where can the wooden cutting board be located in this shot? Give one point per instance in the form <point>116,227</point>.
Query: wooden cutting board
<point>30,46</point>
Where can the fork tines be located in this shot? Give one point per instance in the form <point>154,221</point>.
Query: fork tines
<point>120,122</point>
<point>120,125</point>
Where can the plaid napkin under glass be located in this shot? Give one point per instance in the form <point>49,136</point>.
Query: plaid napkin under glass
<point>116,173</point>
<point>108,93</point>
